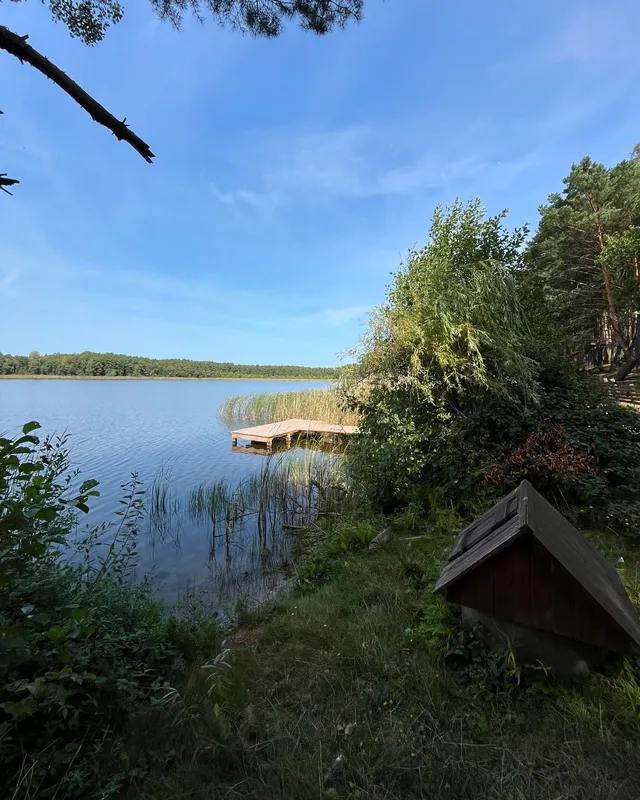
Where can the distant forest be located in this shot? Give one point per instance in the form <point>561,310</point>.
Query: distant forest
<point>113,365</point>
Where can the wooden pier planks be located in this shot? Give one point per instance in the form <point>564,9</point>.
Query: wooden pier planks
<point>286,429</point>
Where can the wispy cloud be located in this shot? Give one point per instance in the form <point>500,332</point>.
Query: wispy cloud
<point>186,299</point>
<point>342,316</point>
<point>350,163</point>
<point>9,280</point>
<point>333,317</point>
<point>258,200</point>
<point>124,310</point>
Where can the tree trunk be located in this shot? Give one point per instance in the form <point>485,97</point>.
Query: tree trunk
<point>626,369</point>
<point>633,352</point>
<point>614,319</point>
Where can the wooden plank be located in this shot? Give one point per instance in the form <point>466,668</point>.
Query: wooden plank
<point>512,581</point>
<point>485,549</point>
<point>574,613</point>
<point>289,427</point>
<point>500,586</point>
<point>542,580</point>
<point>562,551</point>
<point>497,516</point>
<point>587,565</point>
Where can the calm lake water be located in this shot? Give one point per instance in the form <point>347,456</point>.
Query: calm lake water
<point>167,428</point>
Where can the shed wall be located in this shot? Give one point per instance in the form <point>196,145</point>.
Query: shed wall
<point>525,584</point>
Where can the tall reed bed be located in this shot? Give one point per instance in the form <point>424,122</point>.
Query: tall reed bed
<point>324,405</point>
<point>287,491</point>
<point>250,524</point>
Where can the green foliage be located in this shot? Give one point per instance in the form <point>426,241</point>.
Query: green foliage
<point>446,347</point>
<point>344,537</point>
<point>433,630</point>
<point>89,21</point>
<point>191,638</point>
<point>452,317</point>
<point>462,398</point>
<point>346,692</point>
<point>115,365</point>
<point>265,17</point>
<point>80,645</point>
<point>583,259</point>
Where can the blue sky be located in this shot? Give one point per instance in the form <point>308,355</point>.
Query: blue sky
<point>291,175</point>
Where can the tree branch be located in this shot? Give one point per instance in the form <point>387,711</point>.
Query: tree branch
<point>4,181</point>
<point>18,47</point>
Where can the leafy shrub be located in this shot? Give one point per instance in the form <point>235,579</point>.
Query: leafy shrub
<point>545,450</point>
<point>433,628</point>
<point>461,394</point>
<point>344,537</point>
<point>80,645</point>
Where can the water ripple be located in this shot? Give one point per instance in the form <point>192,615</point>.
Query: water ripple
<point>148,427</point>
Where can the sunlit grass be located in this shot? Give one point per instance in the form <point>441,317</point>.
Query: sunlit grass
<point>323,405</point>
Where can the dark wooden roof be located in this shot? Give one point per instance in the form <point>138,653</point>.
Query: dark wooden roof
<point>525,511</point>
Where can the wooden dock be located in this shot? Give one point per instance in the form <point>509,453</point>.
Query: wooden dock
<point>287,429</point>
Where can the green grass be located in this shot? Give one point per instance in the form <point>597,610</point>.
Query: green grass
<point>345,693</point>
<point>324,405</point>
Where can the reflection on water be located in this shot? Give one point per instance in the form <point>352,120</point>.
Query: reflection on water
<point>246,524</point>
<point>168,432</point>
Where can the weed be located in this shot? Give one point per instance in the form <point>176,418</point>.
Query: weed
<point>324,405</point>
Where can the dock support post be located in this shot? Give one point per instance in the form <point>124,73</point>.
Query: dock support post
<point>234,441</point>
<point>288,440</point>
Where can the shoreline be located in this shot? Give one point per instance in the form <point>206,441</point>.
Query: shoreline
<point>153,378</point>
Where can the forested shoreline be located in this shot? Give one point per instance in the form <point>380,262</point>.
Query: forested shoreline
<point>114,365</point>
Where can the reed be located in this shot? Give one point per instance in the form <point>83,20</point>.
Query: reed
<point>248,524</point>
<point>290,489</point>
<point>324,405</point>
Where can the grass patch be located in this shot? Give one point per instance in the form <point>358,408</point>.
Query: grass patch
<point>323,405</point>
<point>347,693</point>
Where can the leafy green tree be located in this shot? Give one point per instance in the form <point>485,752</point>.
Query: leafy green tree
<point>89,20</point>
<point>113,364</point>
<point>459,399</point>
<point>449,336</point>
<point>452,316</point>
<point>584,255</point>
<point>34,362</point>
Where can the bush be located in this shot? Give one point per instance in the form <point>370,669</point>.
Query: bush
<point>461,394</point>
<point>80,645</point>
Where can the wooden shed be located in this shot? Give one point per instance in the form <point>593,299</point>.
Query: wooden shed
<point>524,568</point>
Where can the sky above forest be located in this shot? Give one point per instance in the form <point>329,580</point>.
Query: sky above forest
<point>291,175</point>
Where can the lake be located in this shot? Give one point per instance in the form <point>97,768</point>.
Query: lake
<point>167,431</point>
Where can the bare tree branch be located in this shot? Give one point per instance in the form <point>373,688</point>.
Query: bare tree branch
<point>4,181</point>
<point>18,47</point>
